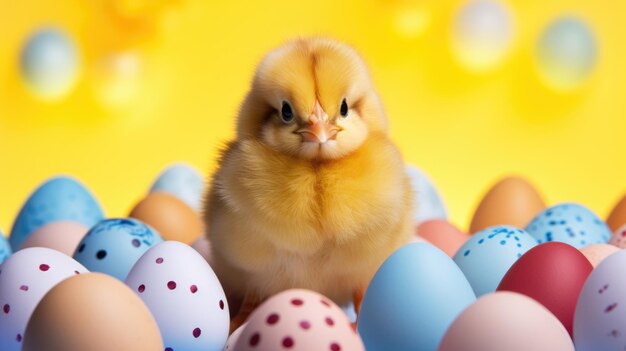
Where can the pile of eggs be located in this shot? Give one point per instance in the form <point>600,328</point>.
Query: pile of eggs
<point>529,277</point>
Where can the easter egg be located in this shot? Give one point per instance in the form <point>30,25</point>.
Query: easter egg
<point>511,201</point>
<point>442,234</point>
<point>407,305</point>
<point>182,181</point>
<point>62,236</point>
<point>569,223</point>
<point>5,248</point>
<point>600,313</point>
<point>506,321</point>
<point>566,53</point>
<point>487,255</point>
<point>58,199</point>
<point>184,295</point>
<point>92,312</point>
<point>429,204</point>
<point>114,245</point>
<point>170,216</point>
<point>596,253</point>
<point>233,338</point>
<point>553,274</point>
<point>49,64</point>
<point>482,34</point>
<point>301,320</point>
<point>617,217</point>
<point>25,277</point>
<point>618,238</point>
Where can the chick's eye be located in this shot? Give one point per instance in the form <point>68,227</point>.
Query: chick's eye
<point>286,113</point>
<point>344,108</point>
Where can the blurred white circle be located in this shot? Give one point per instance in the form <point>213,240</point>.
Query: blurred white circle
<point>482,34</point>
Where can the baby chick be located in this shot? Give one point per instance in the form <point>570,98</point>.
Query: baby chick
<point>312,193</point>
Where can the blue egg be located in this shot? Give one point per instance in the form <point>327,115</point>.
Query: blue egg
<point>114,245</point>
<point>429,204</point>
<point>5,248</point>
<point>57,199</point>
<point>413,298</point>
<point>49,64</point>
<point>488,254</point>
<point>569,223</point>
<point>566,53</point>
<point>182,181</point>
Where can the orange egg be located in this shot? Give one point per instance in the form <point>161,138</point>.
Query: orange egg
<point>511,201</point>
<point>443,235</point>
<point>171,217</point>
<point>617,218</point>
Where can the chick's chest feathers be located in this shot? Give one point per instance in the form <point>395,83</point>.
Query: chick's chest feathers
<point>301,207</point>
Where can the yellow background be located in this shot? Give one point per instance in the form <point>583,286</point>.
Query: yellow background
<point>197,56</point>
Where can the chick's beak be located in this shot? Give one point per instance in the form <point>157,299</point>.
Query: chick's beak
<point>320,129</point>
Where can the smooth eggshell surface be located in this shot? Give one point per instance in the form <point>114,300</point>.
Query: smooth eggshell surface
<point>487,255</point>
<point>57,199</point>
<point>600,311</point>
<point>619,237</point>
<point>596,253</point>
<point>92,312</point>
<point>182,181</point>
<point>408,305</point>
<point>569,223</point>
<point>25,278</point>
<point>301,320</point>
<point>553,274</point>
<point>511,201</point>
<point>506,321</point>
<point>114,245</point>
<point>184,295</point>
<point>442,234</point>
<point>617,217</point>
<point>5,248</point>
<point>170,216</point>
<point>428,202</point>
<point>62,236</point>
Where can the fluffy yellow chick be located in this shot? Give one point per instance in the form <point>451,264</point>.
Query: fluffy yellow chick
<point>312,193</point>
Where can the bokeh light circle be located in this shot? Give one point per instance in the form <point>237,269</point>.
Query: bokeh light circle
<point>482,34</point>
<point>49,64</point>
<point>566,53</point>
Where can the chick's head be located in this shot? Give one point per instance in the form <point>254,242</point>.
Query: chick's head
<point>312,99</point>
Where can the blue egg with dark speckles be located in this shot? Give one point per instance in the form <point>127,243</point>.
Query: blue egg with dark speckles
<point>569,223</point>
<point>58,199</point>
<point>182,181</point>
<point>114,245</point>
<point>5,248</point>
<point>487,255</point>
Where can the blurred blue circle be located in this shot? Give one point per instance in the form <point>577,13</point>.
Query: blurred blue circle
<point>49,64</point>
<point>566,53</point>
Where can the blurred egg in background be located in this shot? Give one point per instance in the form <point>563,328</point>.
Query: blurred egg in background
<point>50,64</point>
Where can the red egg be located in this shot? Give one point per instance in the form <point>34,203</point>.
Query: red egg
<point>553,274</point>
<point>443,235</point>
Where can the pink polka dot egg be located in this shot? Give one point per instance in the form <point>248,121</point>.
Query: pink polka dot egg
<point>25,277</point>
<point>298,320</point>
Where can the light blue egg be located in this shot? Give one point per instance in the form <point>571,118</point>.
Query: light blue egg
<point>5,248</point>
<point>488,254</point>
<point>427,201</point>
<point>49,63</point>
<point>114,245</point>
<point>413,298</point>
<point>569,223</point>
<point>566,53</point>
<point>57,199</point>
<point>182,181</point>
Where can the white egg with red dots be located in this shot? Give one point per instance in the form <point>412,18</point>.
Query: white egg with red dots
<point>298,320</point>
<point>184,295</point>
<point>25,277</point>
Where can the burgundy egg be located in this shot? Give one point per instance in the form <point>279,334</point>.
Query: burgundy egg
<point>553,274</point>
